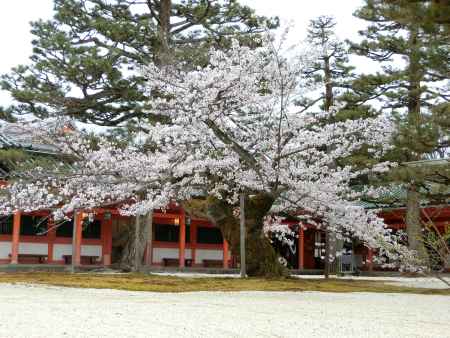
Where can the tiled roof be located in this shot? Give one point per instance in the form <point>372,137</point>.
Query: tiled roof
<point>395,195</point>
<point>13,136</point>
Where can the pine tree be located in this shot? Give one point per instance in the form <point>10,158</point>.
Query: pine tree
<point>413,52</point>
<point>333,75</point>
<point>329,72</point>
<point>87,60</point>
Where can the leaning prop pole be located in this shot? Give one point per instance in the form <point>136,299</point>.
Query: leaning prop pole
<point>137,231</point>
<point>74,240</point>
<point>149,255</point>
<point>242,233</point>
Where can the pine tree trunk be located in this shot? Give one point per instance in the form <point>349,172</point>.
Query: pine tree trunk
<point>413,223</point>
<point>413,220</point>
<point>163,53</point>
<point>328,85</point>
<point>138,235</point>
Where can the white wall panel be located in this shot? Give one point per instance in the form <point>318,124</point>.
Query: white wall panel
<point>91,250</point>
<point>160,253</point>
<point>33,248</point>
<point>5,250</point>
<point>59,250</point>
<point>201,254</point>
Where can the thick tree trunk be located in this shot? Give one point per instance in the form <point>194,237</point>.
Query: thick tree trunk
<point>140,234</point>
<point>413,217</point>
<point>134,249</point>
<point>413,223</point>
<point>261,258</point>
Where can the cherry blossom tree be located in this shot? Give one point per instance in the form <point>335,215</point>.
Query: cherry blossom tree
<point>233,130</point>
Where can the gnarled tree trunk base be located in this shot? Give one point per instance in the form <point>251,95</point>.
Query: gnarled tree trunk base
<point>261,258</point>
<point>134,248</point>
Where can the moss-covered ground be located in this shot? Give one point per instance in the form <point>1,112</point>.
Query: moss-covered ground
<point>156,283</point>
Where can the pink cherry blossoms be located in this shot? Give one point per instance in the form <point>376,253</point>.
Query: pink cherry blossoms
<point>233,127</point>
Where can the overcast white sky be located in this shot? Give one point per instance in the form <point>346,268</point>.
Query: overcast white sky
<point>15,16</point>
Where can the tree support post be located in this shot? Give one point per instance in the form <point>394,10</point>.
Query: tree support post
<point>242,235</point>
<point>327,264</point>
<point>137,231</point>
<point>182,241</point>
<point>149,255</point>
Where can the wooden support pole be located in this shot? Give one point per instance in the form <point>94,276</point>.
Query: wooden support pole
<point>149,252</point>
<point>301,248</point>
<point>327,262</point>
<point>242,235</point>
<point>225,254</point>
<point>15,238</point>
<point>137,231</point>
<point>182,240</point>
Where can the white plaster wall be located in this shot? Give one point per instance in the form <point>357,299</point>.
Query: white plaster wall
<point>5,250</point>
<point>59,250</point>
<point>201,254</point>
<point>160,253</point>
<point>33,248</point>
<point>91,250</point>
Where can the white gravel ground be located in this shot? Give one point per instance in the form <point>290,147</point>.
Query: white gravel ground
<point>44,311</point>
<point>411,282</point>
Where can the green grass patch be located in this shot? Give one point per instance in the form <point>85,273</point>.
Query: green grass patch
<point>154,283</point>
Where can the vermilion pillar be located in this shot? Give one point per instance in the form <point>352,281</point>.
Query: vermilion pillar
<point>182,240</point>
<point>78,223</point>
<point>225,254</point>
<point>15,238</point>
<point>301,249</point>
<point>51,236</point>
<point>107,240</point>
